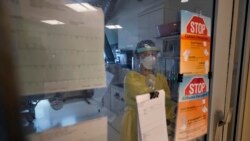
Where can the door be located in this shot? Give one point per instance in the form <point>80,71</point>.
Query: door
<point>245,122</point>
<point>244,113</point>
<point>239,81</point>
<point>221,72</point>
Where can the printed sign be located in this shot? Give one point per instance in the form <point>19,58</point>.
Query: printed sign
<point>197,26</point>
<point>196,86</point>
<point>192,115</point>
<point>195,43</point>
<point>58,58</point>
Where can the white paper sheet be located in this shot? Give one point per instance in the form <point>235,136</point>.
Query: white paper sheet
<point>57,58</point>
<point>92,130</point>
<point>152,118</point>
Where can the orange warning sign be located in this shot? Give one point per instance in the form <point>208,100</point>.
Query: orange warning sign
<point>195,44</point>
<point>192,115</point>
<point>192,120</point>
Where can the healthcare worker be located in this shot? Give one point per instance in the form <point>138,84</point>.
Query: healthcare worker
<point>144,81</point>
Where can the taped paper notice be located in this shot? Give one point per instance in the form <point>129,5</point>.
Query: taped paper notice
<point>195,43</point>
<point>192,116</point>
<point>58,49</point>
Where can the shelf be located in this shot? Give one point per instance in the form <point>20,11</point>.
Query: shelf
<point>169,36</point>
<point>171,57</point>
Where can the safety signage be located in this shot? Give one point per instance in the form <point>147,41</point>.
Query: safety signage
<point>192,115</point>
<point>195,43</point>
<point>196,86</point>
<point>197,26</point>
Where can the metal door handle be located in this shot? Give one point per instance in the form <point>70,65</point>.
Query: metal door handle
<point>226,119</point>
<point>221,122</point>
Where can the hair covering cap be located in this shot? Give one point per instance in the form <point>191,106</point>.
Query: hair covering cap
<point>146,45</point>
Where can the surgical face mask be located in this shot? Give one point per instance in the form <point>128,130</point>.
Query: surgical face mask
<point>148,62</point>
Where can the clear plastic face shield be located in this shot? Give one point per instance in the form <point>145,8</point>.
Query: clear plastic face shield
<point>148,66</point>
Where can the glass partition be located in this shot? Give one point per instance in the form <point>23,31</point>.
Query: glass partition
<point>81,60</point>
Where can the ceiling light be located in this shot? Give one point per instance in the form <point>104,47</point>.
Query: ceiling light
<point>184,1</point>
<point>77,7</point>
<point>118,26</point>
<point>89,7</point>
<point>52,22</point>
<point>113,26</point>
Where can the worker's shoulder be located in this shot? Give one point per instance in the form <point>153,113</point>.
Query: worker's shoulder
<point>134,74</point>
<point>131,74</point>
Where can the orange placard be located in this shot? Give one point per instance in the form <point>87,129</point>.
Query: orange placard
<point>195,54</point>
<point>192,119</point>
<point>195,43</point>
<point>192,115</point>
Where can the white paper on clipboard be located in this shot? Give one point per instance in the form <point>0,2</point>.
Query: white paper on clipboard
<point>152,124</point>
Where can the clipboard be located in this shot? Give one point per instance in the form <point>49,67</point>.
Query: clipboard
<point>152,123</point>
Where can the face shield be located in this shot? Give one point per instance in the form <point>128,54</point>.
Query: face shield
<point>148,60</point>
<point>147,52</point>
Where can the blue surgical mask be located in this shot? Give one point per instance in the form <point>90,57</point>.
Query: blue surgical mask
<point>148,62</point>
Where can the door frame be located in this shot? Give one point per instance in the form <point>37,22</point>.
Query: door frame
<point>221,41</point>
<point>235,65</point>
<point>10,129</point>
<point>241,116</point>
<point>229,67</point>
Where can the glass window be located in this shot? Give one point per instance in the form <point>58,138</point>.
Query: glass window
<point>81,60</point>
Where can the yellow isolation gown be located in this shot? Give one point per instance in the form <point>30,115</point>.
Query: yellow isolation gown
<point>135,84</point>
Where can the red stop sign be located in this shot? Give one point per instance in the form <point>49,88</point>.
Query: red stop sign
<point>196,25</point>
<point>196,86</point>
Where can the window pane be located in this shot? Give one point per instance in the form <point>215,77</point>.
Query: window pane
<point>81,60</point>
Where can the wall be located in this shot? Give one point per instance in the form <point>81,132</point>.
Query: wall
<point>112,36</point>
<point>126,14</point>
<point>148,20</point>
<point>246,120</point>
<point>172,8</point>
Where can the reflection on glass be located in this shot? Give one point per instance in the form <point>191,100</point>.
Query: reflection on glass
<point>52,22</point>
<point>59,47</point>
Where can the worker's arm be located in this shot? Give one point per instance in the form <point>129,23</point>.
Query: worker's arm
<point>169,103</point>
